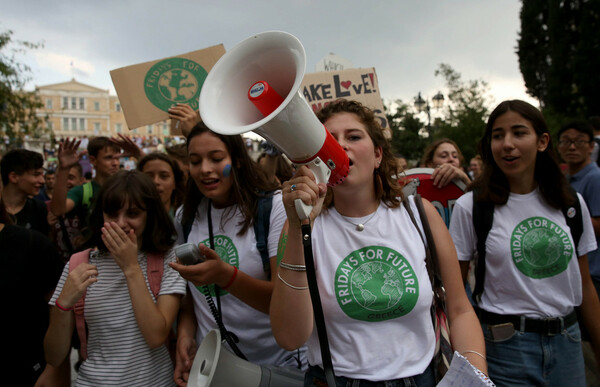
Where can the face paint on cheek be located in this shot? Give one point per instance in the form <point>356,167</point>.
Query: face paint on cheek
<point>227,170</point>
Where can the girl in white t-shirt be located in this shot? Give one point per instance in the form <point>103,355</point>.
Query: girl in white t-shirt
<point>370,267</point>
<point>223,195</point>
<point>533,276</point>
<point>127,326</point>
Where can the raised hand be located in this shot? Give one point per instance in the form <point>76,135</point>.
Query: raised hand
<point>67,153</point>
<point>443,174</point>
<point>186,116</point>
<point>130,148</point>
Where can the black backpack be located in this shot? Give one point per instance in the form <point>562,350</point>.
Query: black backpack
<point>483,217</point>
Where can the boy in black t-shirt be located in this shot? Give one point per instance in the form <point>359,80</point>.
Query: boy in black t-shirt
<point>23,176</point>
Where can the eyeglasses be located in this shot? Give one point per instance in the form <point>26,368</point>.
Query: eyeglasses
<point>578,143</point>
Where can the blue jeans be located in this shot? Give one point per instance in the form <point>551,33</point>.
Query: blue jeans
<point>316,377</point>
<point>533,359</point>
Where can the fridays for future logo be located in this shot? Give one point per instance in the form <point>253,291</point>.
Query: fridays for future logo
<point>174,80</point>
<point>540,248</point>
<point>376,283</point>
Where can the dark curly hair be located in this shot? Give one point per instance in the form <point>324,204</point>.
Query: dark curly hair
<point>385,180</point>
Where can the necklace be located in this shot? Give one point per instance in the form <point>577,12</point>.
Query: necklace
<point>360,226</point>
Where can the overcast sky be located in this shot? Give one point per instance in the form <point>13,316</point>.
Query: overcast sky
<point>404,40</point>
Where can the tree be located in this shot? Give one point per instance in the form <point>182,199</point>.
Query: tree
<point>405,129</point>
<point>557,49</point>
<point>17,106</point>
<point>466,111</point>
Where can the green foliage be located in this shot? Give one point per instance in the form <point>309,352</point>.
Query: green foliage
<point>17,106</point>
<point>465,114</point>
<point>405,129</point>
<point>557,49</point>
<point>466,111</point>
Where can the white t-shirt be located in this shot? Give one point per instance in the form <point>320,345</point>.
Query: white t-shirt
<point>252,327</point>
<point>118,355</point>
<point>531,263</point>
<point>376,295</point>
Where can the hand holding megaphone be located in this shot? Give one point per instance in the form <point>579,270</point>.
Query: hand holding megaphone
<point>255,87</point>
<point>303,188</point>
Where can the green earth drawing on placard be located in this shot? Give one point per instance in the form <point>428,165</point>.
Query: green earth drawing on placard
<point>174,80</point>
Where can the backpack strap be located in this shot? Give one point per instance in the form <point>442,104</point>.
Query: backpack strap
<point>156,269</point>
<point>483,217</point>
<point>187,228</point>
<point>261,223</point>
<point>88,192</point>
<point>574,219</point>
<point>75,260</point>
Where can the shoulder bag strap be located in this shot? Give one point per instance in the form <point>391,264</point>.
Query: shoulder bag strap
<point>315,298</point>
<point>428,260</point>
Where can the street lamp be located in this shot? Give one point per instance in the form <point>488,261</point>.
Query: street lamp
<point>422,105</point>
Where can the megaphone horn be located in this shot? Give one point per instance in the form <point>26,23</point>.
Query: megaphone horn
<point>215,366</point>
<point>255,87</point>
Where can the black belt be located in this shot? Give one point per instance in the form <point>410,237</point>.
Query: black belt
<point>547,326</point>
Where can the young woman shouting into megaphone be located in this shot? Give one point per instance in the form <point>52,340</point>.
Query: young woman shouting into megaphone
<point>370,268</point>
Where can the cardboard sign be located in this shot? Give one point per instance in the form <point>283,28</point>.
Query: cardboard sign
<point>320,89</point>
<point>418,180</point>
<point>147,90</point>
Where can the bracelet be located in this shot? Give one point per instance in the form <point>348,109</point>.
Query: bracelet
<point>290,285</point>
<point>475,352</point>
<point>62,307</point>
<point>289,266</point>
<point>235,270</point>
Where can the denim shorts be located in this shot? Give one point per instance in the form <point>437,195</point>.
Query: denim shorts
<point>316,377</point>
<point>534,359</point>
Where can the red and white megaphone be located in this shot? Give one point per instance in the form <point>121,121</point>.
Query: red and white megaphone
<point>255,87</point>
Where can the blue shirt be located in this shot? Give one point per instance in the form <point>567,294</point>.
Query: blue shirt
<point>587,183</point>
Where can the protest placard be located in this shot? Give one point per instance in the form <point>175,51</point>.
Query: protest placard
<point>147,90</point>
<point>320,89</point>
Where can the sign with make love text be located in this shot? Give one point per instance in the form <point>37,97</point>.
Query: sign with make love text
<point>147,90</point>
<point>320,89</point>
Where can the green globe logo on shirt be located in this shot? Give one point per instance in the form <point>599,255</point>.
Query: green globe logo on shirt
<point>540,248</point>
<point>174,80</point>
<point>376,284</point>
<point>227,251</point>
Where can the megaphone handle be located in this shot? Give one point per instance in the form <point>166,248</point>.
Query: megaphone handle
<point>322,173</point>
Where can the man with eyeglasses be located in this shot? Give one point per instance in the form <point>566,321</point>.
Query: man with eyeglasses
<point>595,122</point>
<point>575,145</point>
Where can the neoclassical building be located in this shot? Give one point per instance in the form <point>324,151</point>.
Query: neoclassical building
<point>74,109</point>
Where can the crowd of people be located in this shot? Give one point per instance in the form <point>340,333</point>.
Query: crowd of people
<point>93,270</point>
